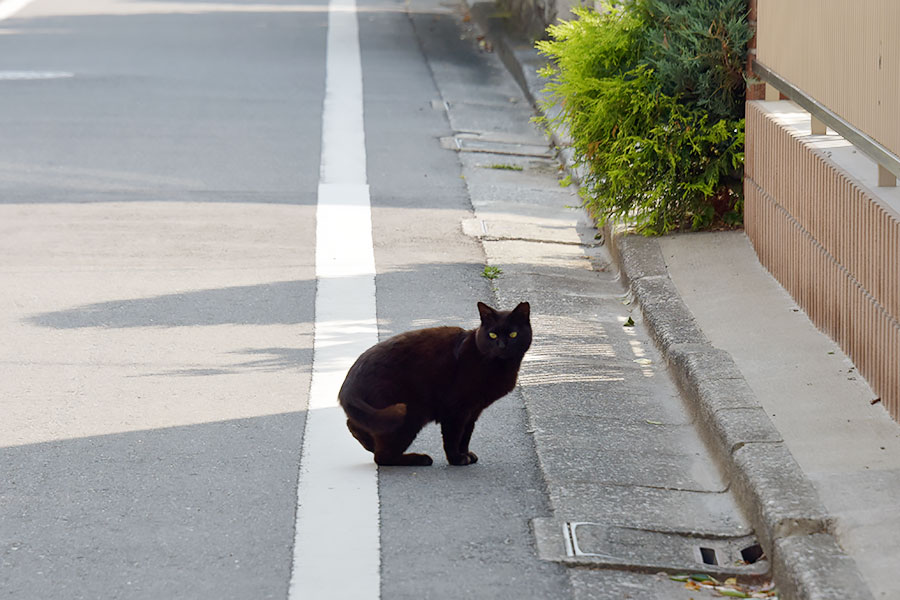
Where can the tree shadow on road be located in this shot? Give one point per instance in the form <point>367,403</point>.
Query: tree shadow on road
<point>277,303</point>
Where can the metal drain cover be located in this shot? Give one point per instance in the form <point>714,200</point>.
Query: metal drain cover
<point>608,546</point>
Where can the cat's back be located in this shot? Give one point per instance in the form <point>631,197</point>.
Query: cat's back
<point>412,348</point>
<point>413,352</point>
<point>408,364</point>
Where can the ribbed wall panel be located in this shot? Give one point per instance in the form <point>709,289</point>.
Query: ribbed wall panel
<point>843,53</point>
<point>832,245</point>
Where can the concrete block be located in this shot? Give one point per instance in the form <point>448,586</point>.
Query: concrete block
<point>711,382</point>
<point>814,567</point>
<point>736,427</point>
<point>715,394</point>
<point>780,499</point>
<point>665,313</point>
<point>623,460</point>
<point>720,397</point>
<point>702,362</point>
<point>638,256</point>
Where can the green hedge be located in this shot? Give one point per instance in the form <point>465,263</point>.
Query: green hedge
<point>651,92</point>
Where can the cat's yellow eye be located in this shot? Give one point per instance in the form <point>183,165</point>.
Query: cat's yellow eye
<point>513,334</point>
<point>492,335</point>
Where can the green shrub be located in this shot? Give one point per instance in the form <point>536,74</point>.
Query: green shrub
<point>698,49</point>
<point>651,94</point>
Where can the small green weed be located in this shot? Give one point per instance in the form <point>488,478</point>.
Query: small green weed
<point>505,167</point>
<point>491,273</point>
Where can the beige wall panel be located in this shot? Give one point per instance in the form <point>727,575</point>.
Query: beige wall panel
<point>843,53</point>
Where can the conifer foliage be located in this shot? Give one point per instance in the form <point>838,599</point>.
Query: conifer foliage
<point>651,92</point>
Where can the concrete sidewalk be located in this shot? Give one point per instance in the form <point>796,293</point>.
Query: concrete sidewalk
<point>813,459</point>
<point>846,445</point>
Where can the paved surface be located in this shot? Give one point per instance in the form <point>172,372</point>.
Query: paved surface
<point>809,389</point>
<point>157,282</point>
<point>616,444</point>
<point>445,531</point>
<point>812,458</point>
<point>598,457</point>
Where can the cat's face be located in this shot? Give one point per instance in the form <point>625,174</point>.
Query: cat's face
<point>504,334</point>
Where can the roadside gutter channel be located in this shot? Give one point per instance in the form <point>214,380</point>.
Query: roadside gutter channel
<point>633,490</point>
<point>784,508</point>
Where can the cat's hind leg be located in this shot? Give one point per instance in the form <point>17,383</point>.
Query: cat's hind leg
<point>390,448</point>
<point>362,436</point>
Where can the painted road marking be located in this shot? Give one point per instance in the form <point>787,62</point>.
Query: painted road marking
<point>9,7</point>
<point>32,75</point>
<point>336,540</point>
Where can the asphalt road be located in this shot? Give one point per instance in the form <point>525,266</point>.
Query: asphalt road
<point>166,321</point>
<point>159,162</point>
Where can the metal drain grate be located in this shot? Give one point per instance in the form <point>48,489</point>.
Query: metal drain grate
<point>598,545</point>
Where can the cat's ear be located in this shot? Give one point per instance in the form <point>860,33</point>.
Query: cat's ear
<point>523,310</point>
<point>487,313</point>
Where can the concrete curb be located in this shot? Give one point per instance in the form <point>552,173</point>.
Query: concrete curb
<point>793,525</point>
<point>769,483</point>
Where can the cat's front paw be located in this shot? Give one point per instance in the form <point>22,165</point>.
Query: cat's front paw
<point>469,458</point>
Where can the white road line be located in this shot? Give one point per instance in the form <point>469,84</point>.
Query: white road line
<point>336,543</point>
<point>33,75</point>
<point>9,7</point>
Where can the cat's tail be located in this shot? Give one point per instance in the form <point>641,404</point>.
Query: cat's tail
<point>375,420</point>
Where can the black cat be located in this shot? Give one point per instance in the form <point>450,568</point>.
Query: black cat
<point>443,374</point>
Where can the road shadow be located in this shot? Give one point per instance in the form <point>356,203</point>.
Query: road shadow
<point>176,512</point>
<point>278,303</point>
<point>266,360</point>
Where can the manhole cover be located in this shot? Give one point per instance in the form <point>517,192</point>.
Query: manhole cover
<point>600,545</point>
